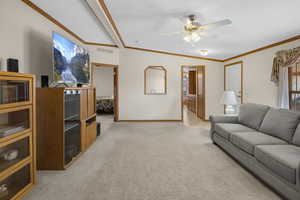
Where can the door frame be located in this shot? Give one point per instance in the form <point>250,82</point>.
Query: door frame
<point>204,91</point>
<point>116,85</point>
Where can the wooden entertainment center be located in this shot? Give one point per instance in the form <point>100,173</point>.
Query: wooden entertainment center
<point>66,125</point>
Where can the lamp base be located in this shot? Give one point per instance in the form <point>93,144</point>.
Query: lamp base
<point>230,110</point>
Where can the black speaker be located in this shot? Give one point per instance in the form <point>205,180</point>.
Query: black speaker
<point>98,129</point>
<point>45,81</point>
<point>12,65</point>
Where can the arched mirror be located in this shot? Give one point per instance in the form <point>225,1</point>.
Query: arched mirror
<point>155,80</point>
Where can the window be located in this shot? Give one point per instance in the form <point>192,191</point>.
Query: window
<point>294,87</point>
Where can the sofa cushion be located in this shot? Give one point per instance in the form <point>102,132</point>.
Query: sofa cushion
<point>248,140</point>
<point>283,160</point>
<point>280,123</point>
<point>296,137</point>
<point>225,129</point>
<point>252,114</point>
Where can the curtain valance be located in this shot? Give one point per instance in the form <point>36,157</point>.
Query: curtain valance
<point>284,58</point>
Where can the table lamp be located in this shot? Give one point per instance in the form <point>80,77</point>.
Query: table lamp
<point>229,100</point>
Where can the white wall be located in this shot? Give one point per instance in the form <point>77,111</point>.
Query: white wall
<point>101,54</point>
<point>27,36</point>
<point>104,81</point>
<point>134,105</point>
<point>257,74</point>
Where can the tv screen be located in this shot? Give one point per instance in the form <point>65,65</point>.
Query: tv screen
<point>71,62</point>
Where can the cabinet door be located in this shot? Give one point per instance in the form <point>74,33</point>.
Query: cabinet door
<point>83,136</point>
<point>14,151</point>
<point>91,132</point>
<point>15,91</point>
<point>14,184</point>
<point>83,104</point>
<point>91,101</point>
<point>14,122</point>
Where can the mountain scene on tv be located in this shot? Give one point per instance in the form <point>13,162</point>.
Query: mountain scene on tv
<point>71,62</point>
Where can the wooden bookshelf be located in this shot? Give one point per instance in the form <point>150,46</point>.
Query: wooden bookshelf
<point>17,134</point>
<point>58,121</point>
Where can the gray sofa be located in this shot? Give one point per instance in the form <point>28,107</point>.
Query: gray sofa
<point>266,141</point>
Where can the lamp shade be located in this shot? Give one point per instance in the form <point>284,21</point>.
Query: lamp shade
<point>228,98</point>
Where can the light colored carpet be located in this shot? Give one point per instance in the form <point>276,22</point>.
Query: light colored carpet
<point>166,161</point>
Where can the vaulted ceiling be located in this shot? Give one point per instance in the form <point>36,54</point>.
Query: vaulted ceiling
<point>144,23</point>
<point>76,16</point>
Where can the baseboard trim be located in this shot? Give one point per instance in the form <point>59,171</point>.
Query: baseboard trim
<point>165,120</point>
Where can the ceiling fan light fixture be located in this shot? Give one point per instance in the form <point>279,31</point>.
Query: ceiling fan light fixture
<point>188,21</point>
<point>187,38</point>
<point>195,37</point>
<point>203,52</point>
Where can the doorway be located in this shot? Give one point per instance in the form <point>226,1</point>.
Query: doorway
<point>233,81</point>
<point>193,94</point>
<point>105,78</point>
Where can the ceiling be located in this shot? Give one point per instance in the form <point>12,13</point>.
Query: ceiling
<point>143,23</point>
<point>255,23</point>
<point>76,16</point>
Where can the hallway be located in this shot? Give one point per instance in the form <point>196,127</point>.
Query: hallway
<point>190,119</point>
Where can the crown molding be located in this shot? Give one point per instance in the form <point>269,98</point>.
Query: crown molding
<point>265,47</point>
<point>53,20</point>
<point>101,14</point>
<point>100,44</point>
<point>110,19</point>
<point>102,4</point>
<point>46,15</point>
<point>109,16</point>
<point>173,54</point>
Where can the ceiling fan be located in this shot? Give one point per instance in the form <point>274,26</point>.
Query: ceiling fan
<point>193,29</point>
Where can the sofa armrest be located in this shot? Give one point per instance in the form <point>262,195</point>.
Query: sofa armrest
<point>233,119</point>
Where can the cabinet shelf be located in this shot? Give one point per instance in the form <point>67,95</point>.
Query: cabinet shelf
<point>70,125</point>
<point>76,116</point>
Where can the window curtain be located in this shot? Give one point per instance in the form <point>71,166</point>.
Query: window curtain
<point>283,88</point>
<point>282,61</point>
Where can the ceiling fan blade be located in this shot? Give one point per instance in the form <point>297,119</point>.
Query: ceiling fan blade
<point>172,33</point>
<point>207,35</point>
<point>215,24</point>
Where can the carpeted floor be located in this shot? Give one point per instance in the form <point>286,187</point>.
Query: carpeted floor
<point>160,161</point>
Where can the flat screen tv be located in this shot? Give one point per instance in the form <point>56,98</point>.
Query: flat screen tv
<point>71,62</point>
